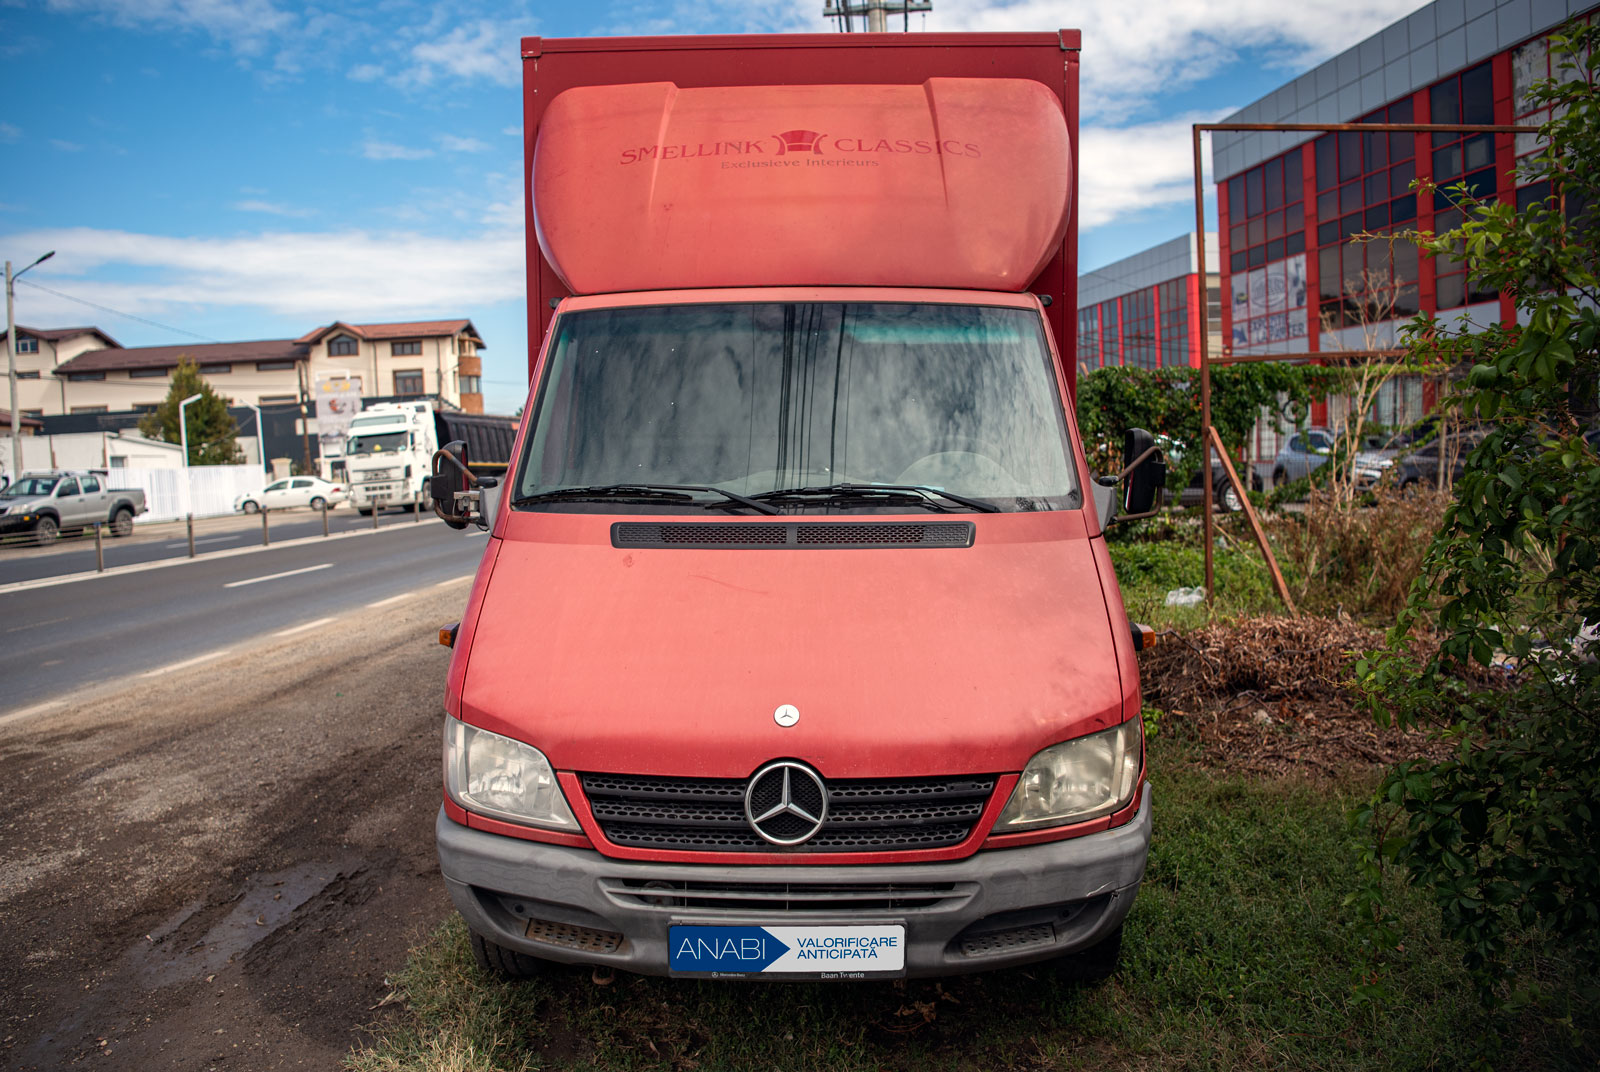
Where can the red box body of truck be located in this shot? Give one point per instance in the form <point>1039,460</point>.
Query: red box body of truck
<point>796,651</point>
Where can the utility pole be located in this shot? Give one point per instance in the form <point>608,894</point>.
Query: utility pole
<point>876,12</point>
<point>11,355</point>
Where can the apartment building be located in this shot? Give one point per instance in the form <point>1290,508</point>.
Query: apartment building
<point>433,357</point>
<point>40,351</point>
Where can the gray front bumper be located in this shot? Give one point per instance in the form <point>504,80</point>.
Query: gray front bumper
<point>1002,907</point>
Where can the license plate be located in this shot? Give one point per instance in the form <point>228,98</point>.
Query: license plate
<point>815,952</point>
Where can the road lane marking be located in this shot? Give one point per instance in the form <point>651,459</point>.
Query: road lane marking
<point>358,532</point>
<point>303,626</point>
<point>278,576</point>
<point>37,625</point>
<point>196,661</point>
<point>454,580</point>
<point>391,599</point>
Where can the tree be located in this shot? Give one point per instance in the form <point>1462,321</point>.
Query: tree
<point>1496,648</point>
<point>211,429</point>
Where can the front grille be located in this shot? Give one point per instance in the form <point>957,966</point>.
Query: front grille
<point>815,535</point>
<point>864,815</point>
<point>786,897</point>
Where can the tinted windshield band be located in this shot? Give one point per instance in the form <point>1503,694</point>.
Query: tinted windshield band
<point>756,398</point>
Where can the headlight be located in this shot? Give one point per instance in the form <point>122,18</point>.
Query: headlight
<point>502,778</point>
<point>1083,778</point>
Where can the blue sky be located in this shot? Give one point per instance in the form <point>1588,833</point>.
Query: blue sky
<point>240,169</point>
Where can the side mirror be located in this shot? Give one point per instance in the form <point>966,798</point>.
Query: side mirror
<point>1144,470</point>
<point>452,487</point>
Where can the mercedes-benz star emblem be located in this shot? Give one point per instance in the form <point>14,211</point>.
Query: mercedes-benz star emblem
<point>786,715</point>
<point>786,803</point>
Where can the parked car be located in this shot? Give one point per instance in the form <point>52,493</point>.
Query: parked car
<point>1419,467</point>
<point>295,491</point>
<point>1304,453</point>
<point>49,503</point>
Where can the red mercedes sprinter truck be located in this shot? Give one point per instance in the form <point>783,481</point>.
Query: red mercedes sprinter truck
<point>795,651</point>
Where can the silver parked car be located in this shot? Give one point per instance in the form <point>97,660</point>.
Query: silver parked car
<point>48,503</point>
<point>293,491</point>
<point>1304,453</point>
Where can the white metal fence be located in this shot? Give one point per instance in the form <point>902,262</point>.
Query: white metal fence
<point>201,490</point>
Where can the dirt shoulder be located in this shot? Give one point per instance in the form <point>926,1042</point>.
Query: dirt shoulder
<point>217,868</point>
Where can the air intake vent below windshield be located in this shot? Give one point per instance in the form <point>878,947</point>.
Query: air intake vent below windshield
<point>794,534</point>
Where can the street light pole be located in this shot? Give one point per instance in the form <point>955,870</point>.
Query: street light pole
<point>11,354</point>
<point>183,427</point>
<point>261,440</point>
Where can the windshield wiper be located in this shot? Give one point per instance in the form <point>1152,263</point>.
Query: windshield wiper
<point>848,492</point>
<point>666,492</point>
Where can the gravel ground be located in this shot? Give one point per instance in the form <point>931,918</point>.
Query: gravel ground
<point>215,868</point>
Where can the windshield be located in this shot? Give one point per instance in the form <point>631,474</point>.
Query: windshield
<point>757,398</point>
<point>30,485</point>
<point>377,442</point>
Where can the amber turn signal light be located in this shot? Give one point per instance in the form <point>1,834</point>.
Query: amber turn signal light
<point>447,634</point>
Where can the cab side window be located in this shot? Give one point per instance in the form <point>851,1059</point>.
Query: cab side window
<point>67,487</point>
<point>91,484</point>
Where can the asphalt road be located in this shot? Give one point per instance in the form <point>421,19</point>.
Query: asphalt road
<point>150,543</point>
<point>120,627</point>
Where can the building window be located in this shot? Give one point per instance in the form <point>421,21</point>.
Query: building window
<point>405,349</point>
<point>30,374</point>
<point>85,376</point>
<point>274,366</point>
<point>1364,186</point>
<point>147,374</point>
<point>33,413</point>
<point>1089,337</point>
<point>472,385</point>
<point>145,407</point>
<point>1266,252</point>
<point>27,344</point>
<point>277,400</point>
<point>408,383</point>
<point>1173,298</point>
<point>219,369</point>
<point>341,346</point>
<point>88,409</point>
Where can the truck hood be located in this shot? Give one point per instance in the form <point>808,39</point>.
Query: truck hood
<point>900,662</point>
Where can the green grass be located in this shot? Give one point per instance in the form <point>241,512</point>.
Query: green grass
<point>1148,570</point>
<point>1238,954</point>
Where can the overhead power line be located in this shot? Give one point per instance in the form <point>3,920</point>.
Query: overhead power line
<point>116,312</point>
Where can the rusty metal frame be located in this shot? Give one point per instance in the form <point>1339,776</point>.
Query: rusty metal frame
<point>1208,434</point>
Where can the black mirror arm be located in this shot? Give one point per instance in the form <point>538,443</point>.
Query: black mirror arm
<point>1161,492</point>
<point>1140,460</point>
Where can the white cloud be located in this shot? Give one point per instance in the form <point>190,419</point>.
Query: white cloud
<point>317,276</point>
<point>484,49</point>
<point>9,132</point>
<point>365,72</point>
<point>373,149</point>
<point>243,25</point>
<point>512,132</point>
<point>66,146</point>
<point>273,209</point>
<point>1132,52</point>
<point>450,143</point>
<point>1125,170</point>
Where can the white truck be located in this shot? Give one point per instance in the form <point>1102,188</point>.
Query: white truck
<point>387,458</point>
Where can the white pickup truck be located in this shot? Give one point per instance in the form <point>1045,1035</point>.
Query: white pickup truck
<point>44,504</point>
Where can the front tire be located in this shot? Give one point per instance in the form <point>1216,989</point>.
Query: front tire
<point>251,507</point>
<point>1097,963</point>
<point>122,522</point>
<point>504,963</point>
<point>364,511</point>
<point>45,531</point>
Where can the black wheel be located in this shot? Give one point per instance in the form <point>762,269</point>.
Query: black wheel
<point>122,522</point>
<point>251,507</point>
<point>1279,478</point>
<point>319,503</point>
<point>1227,499</point>
<point>364,511</point>
<point>504,963</point>
<point>45,531</point>
<point>1097,963</point>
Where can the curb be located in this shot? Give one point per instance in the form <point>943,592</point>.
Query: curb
<point>209,556</point>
